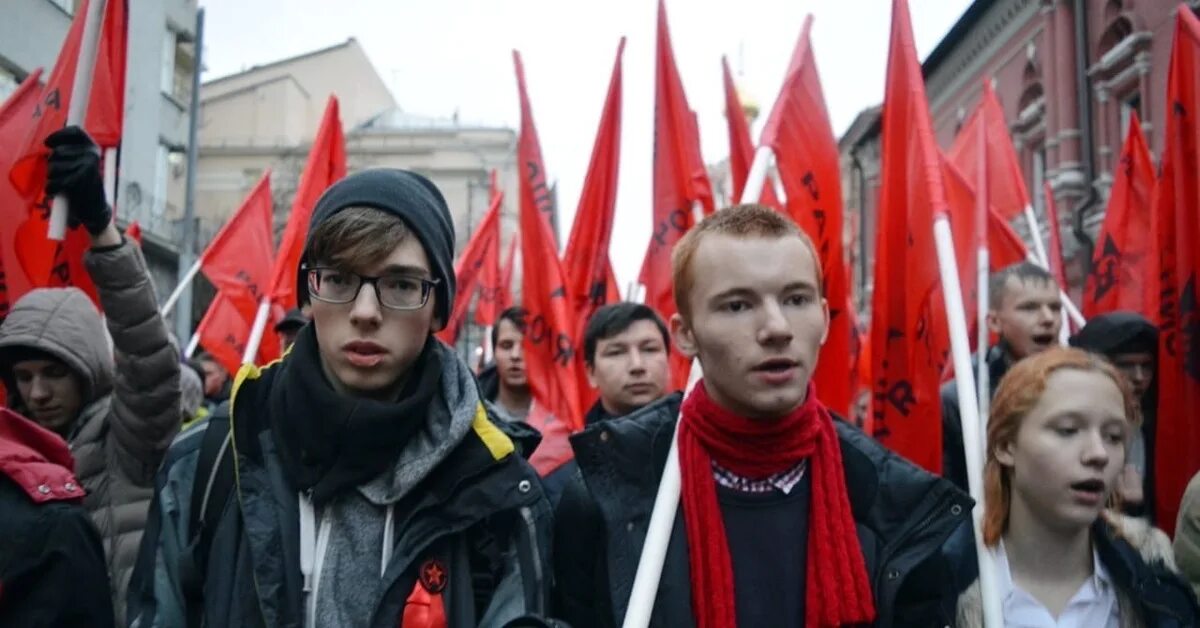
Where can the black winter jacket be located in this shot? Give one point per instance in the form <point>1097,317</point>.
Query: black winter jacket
<point>904,517</point>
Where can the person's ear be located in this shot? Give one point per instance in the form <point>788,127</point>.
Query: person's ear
<point>683,336</point>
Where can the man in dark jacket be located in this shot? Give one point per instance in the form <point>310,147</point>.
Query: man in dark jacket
<point>372,488</point>
<point>52,568</point>
<point>625,352</point>
<point>1130,342</point>
<point>1025,311</point>
<point>788,516</point>
<point>118,407</point>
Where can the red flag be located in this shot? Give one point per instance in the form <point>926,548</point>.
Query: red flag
<point>224,331</point>
<point>134,232</point>
<point>238,260</point>
<point>1058,267</point>
<point>682,192</point>
<point>106,104</point>
<point>807,156</point>
<point>909,341</point>
<point>504,297</point>
<point>1176,223</point>
<point>1005,247</point>
<point>326,164</point>
<point>487,308</point>
<point>15,113</point>
<point>741,147</point>
<point>589,272</point>
<point>1124,259</point>
<point>484,245</point>
<point>1006,186</point>
<point>550,337</point>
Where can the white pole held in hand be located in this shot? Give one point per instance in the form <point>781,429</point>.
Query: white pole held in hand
<point>169,304</point>
<point>256,332</point>
<point>658,531</point>
<point>81,90</point>
<point>968,413</point>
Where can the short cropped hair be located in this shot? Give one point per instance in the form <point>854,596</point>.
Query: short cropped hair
<point>515,315</point>
<point>1025,272</point>
<point>745,221</point>
<point>615,318</point>
<point>355,237</point>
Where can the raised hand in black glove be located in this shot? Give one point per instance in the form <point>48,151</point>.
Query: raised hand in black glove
<point>74,172</point>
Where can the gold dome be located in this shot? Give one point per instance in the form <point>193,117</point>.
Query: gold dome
<point>750,106</point>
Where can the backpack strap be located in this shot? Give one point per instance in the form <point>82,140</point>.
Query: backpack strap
<point>212,488</point>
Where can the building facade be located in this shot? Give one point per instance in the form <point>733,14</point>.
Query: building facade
<point>1068,74</point>
<point>159,70</point>
<point>266,117</point>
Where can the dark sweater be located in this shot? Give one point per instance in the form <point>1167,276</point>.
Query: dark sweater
<point>768,545</point>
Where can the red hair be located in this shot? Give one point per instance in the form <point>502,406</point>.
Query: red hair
<point>1019,392</point>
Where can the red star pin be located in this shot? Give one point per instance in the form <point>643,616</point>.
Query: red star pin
<point>434,576</point>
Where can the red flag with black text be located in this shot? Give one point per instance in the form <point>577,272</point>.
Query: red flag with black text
<point>106,102</point>
<point>550,333</point>
<point>741,147</point>
<point>909,337</point>
<point>586,263</point>
<point>682,192</point>
<point>807,157</point>
<point>238,260</point>
<point>224,331</point>
<point>1124,255</point>
<point>49,263</point>
<point>326,164</point>
<point>483,246</point>
<point>15,113</point>
<point>1176,225</point>
<point>487,308</point>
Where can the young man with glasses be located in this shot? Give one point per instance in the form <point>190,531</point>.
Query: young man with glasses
<point>372,488</point>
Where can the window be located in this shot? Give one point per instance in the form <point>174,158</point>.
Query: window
<point>178,63</point>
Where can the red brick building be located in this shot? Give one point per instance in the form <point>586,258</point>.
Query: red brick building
<point>1068,73</point>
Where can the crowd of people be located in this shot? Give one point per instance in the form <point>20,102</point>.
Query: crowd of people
<point>371,477</point>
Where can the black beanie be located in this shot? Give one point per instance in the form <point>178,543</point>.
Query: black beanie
<point>411,197</point>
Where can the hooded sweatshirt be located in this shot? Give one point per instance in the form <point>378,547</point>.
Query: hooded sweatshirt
<point>131,397</point>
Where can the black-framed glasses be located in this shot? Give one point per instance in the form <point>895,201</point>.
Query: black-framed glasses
<point>397,291</point>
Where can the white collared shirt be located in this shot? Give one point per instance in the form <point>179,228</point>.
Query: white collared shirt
<point>1094,605</point>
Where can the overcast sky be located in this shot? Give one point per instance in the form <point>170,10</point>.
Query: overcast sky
<point>454,55</point>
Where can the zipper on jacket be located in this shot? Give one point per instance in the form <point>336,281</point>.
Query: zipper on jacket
<point>536,553</point>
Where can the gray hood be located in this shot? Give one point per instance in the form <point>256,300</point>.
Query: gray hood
<point>64,323</point>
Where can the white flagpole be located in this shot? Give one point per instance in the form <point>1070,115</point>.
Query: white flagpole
<point>191,346</point>
<point>1035,234</point>
<point>169,304</point>
<point>973,439</point>
<point>81,90</point>
<point>256,332</point>
<point>666,502</point>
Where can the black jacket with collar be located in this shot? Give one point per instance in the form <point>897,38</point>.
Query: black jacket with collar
<point>954,461</point>
<point>904,517</point>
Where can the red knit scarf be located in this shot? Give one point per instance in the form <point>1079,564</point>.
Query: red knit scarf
<point>838,591</point>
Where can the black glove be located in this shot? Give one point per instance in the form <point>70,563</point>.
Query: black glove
<point>74,172</point>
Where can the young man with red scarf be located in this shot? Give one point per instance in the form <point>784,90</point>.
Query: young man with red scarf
<point>789,516</point>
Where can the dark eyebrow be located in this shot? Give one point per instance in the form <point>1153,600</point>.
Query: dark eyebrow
<point>800,285</point>
<point>404,269</point>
